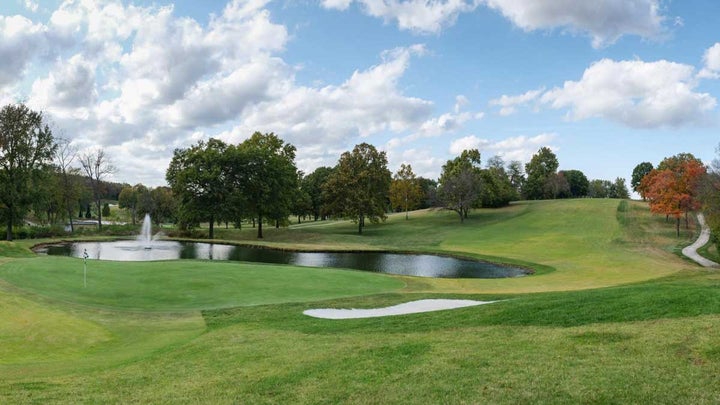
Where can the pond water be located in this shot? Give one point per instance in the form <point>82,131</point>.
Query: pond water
<point>393,263</point>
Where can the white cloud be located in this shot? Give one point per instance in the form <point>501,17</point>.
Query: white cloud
<point>604,20</point>
<point>31,5</point>
<point>514,148</point>
<point>20,41</point>
<point>70,84</point>
<point>421,16</point>
<point>712,63</point>
<point>635,93</point>
<point>509,104</point>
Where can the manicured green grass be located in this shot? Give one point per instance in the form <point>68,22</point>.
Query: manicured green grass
<point>614,316</point>
<point>186,285</point>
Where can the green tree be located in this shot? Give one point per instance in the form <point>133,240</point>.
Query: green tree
<point>539,170</point>
<point>599,188</point>
<point>497,189</point>
<point>97,166</point>
<point>264,171</point>
<point>165,205</point>
<point>640,171</point>
<point>428,189</point>
<point>69,178</point>
<point>461,183</point>
<point>128,200</point>
<point>358,186</point>
<point>313,184</point>
<point>26,149</point>
<point>405,191</point>
<point>578,183</point>
<point>619,189</point>
<point>198,177</point>
<point>516,175</point>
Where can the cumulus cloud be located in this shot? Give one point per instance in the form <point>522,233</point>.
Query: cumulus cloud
<point>20,41</point>
<point>514,148</point>
<point>604,20</point>
<point>711,70</point>
<point>421,16</point>
<point>635,93</point>
<point>508,104</point>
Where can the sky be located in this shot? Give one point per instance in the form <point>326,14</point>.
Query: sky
<point>606,84</point>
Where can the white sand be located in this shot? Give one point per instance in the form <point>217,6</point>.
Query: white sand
<point>411,307</point>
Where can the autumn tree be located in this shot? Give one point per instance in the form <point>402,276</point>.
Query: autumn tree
<point>461,183</point>
<point>673,188</point>
<point>405,191</point>
<point>359,185</point>
<point>26,150</point>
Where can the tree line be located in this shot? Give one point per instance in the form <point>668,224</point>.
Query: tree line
<point>257,182</point>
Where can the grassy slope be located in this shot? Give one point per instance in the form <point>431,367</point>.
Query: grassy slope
<point>652,341</point>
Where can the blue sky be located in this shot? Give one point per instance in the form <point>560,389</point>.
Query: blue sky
<point>606,84</point>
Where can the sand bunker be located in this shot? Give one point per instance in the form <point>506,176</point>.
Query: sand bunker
<point>411,307</point>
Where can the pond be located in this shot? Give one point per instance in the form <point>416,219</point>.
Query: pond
<point>421,265</point>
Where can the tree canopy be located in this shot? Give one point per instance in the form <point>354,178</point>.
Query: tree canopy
<point>26,151</point>
<point>405,190</point>
<point>540,170</point>
<point>358,186</point>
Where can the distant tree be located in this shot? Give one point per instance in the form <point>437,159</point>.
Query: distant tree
<point>599,188</point>
<point>640,171</point>
<point>405,190</point>
<point>461,183</point>
<point>577,182</point>
<point>516,175</point>
<point>70,187</point>
<point>497,189</point>
<point>619,189</point>
<point>539,170</point>
<point>128,200</point>
<point>556,186</point>
<point>106,210</point>
<point>97,166</point>
<point>358,186</point>
<point>198,178</point>
<point>165,206</point>
<point>26,150</point>
<point>428,189</point>
<point>313,184</point>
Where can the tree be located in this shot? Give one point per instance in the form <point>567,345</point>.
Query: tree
<point>165,205</point>
<point>26,149</point>
<point>556,186</point>
<point>263,170</point>
<point>539,170</point>
<point>618,189</point>
<point>358,186</point>
<point>516,175</point>
<point>198,177</point>
<point>428,189</point>
<point>672,189</point>
<point>599,188</point>
<point>577,182</point>
<point>461,183</point>
<point>128,200</point>
<point>65,155</point>
<point>97,166</point>
<point>405,191</point>
<point>497,189</point>
<point>640,171</point>
<point>313,184</point>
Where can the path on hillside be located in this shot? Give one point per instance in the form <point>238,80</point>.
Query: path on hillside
<point>691,251</point>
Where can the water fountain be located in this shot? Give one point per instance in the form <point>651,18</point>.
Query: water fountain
<point>146,233</point>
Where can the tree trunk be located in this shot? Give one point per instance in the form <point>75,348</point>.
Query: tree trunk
<point>277,224</point>
<point>70,218</point>
<point>9,235</point>
<point>212,227</point>
<point>360,225</point>
<point>677,226</point>
<point>687,223</point>
<point>259,220</point>
<point>99,208</point>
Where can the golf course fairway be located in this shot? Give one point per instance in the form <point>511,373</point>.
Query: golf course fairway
<point>612,315</point>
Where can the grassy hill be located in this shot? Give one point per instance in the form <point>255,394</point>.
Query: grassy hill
<point>613,315</point>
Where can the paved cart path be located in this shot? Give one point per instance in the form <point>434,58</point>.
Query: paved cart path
<point>691,251</point>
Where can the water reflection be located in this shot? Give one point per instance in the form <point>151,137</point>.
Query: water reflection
<point>393,263</point>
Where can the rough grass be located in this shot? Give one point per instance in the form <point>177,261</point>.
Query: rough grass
<point>649,335</point>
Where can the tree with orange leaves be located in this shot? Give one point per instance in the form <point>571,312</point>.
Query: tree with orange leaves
<point>672,188</point>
